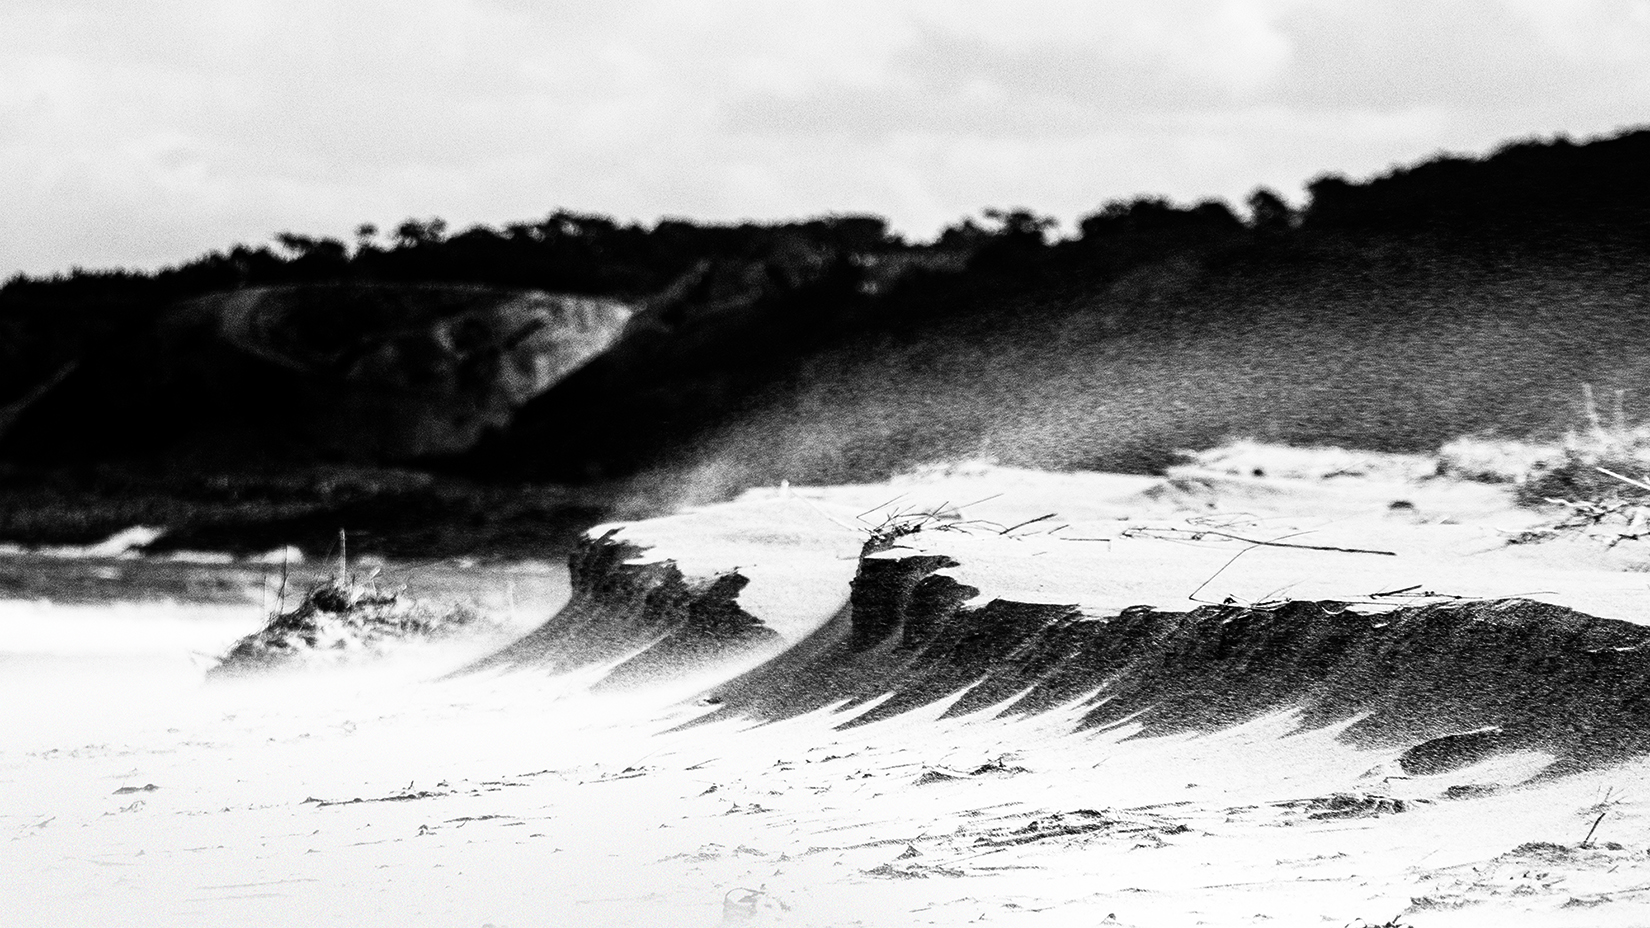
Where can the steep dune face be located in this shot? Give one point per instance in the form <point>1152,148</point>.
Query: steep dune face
<point>358,370</point>
<point>640,617</point>
<point>1518,674</point>
<point>963,616</point>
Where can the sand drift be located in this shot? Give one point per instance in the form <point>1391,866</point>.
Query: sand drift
<point>1448,679</point>
<point>977,695</point>
<point>1460,681</point>
<point>645,615</point>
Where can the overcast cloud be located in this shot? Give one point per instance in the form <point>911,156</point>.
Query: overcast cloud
<point>143,134</point>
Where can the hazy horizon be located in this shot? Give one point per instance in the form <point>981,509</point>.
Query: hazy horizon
<point>140,137</point>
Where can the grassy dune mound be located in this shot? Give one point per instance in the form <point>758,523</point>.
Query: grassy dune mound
<point>343,619</point>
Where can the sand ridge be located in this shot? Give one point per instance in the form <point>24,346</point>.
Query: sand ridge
<point>397,795</point>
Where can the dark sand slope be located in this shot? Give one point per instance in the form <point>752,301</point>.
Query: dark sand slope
<point>1540,676</point>
<point>1450,680</point>
<point>644,617</point>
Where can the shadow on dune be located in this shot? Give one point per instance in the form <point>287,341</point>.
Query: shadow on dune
<point>642,617</point>
<point>1448,683</point>
<point>1453,682</point>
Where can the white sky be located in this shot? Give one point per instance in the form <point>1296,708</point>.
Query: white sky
<point>145,133</point>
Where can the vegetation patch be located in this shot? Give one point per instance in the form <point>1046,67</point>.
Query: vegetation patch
<point>1596,479</point>
<point>347,618</point>
<point>1593,459</point>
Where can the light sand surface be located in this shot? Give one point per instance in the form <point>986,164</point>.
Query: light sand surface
<point>133,794</point>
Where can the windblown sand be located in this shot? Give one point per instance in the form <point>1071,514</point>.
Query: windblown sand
<point>131,793</point>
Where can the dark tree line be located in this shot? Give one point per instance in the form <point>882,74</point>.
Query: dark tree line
<point>843,279</point>
<point>1526,189</point>
<point>1523,188</point>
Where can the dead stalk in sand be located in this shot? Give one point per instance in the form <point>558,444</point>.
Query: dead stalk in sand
<point>983,499</point>
<point>880,506</point>
<point>1026,523</point>
<point>1588,514</point>
<point>944,517</point>
<point>1588,841</point>
<point>1198,534</point>
<point>286,556</point>
<point>1603,807</point>
<point>1414,591</point>
<point>1253,544</point>
<point>1627,480</point>
<point>1200,587</point>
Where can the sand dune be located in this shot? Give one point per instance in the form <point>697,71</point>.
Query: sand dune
<point>747,715</point>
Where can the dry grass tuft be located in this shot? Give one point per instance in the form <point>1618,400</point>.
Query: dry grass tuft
<point>343,618</point>
<point>1596,477</point>
<point>1590,451</point>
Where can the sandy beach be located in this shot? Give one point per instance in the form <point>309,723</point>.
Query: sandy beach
<point>393,792</point>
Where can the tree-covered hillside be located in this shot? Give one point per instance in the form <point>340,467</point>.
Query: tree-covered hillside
<point>1457,295</point>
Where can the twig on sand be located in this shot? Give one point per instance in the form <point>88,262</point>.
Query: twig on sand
<point>286,554</point>
<point>1603,807</point>
<point>1272,597</point>
<point>1229,562</point>
<point>1200,532</point>
<point>880,505</point>
<point>1415,591</point>
<point>1027,522</point>
<point>1253,543</point>
<point>1587,841</point>
<point>983,499</point>
<point>1627,480</point>
<point>1587,514</point>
